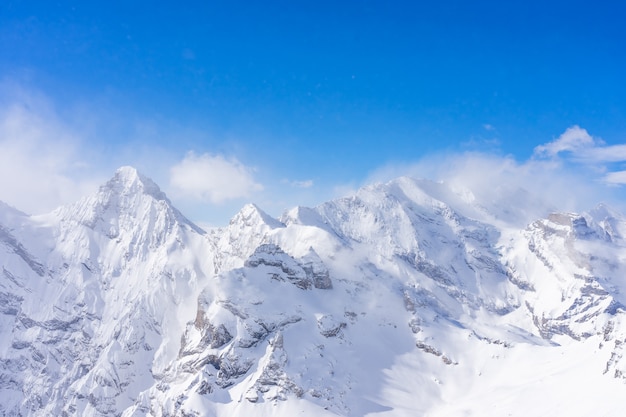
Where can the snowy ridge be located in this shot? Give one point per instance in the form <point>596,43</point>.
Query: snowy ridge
<point>409,298</point>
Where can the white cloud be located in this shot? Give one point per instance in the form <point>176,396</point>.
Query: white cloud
<point>587,152</point>
<point>42,163</point>
<point>615,178</point>
<point>582,147</point>
<point>613,153</point>
<point>574,139</point>
<point>212,178</point>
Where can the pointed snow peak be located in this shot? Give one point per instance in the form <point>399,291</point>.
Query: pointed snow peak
<point>303,216</point>
<point>247,230</point>
<point>128,172</point>
<point>420,191</point>
<point>611,221</point>
<point>252,215</point>
<point>128,200</point>
<point>428,192</point>
<point>127,180</point>
<point>603,212</point>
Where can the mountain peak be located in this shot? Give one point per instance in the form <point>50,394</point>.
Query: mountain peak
<point>128,195</point>
<point>251,214</point>
<point>127,171</point>
<point>127,180</point>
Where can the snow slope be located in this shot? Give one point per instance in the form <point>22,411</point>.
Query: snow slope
<point>409,298</point>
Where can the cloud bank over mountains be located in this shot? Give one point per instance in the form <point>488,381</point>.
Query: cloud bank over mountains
<point>49,160</point>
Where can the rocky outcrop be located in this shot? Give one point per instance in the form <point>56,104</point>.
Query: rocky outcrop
<point>305,273</point>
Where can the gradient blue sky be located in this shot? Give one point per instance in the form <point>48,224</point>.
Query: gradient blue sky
<point>295,102</point>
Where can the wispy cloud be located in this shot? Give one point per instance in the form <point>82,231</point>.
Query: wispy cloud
<point>574,139</point>
<point>613,153</point>
<point>212,178</point>
<point>43,163</point>
<point>578,146</point>
<point>298,184</point>
<point>615,178</point>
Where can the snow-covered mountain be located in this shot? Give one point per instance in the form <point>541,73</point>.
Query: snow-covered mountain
<point>409,298</point>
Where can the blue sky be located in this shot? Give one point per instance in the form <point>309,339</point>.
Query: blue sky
<point>296,102</point>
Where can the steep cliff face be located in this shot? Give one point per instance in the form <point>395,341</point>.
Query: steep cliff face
<point>408,298</point>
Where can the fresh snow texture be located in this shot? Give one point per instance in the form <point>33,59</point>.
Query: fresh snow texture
<point>409,298</point>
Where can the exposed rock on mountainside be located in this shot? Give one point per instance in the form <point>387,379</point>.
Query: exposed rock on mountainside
<point>405,299</point>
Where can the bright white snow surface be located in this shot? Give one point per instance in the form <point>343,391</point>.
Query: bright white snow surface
<point>409,298</point>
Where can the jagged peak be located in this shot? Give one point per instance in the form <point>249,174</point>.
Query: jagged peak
<point>127,180</point>
<point>427,192</point>
<point>251,214</point>
<point>127,192</point>
<point>418,190</point>
<point>609,220</point>
<point>380,197</point>
<point>128,172</point>
<point>303,216</point>
<point>583,225</point>
<point>562,218</point>
<point>604,212</point>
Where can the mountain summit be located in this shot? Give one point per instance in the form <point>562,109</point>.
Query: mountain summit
<point>129,200</point>
<point>128,181</point>
<point>408,298</point>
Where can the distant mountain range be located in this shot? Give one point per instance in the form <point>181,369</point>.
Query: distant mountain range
<point>410,298</point>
